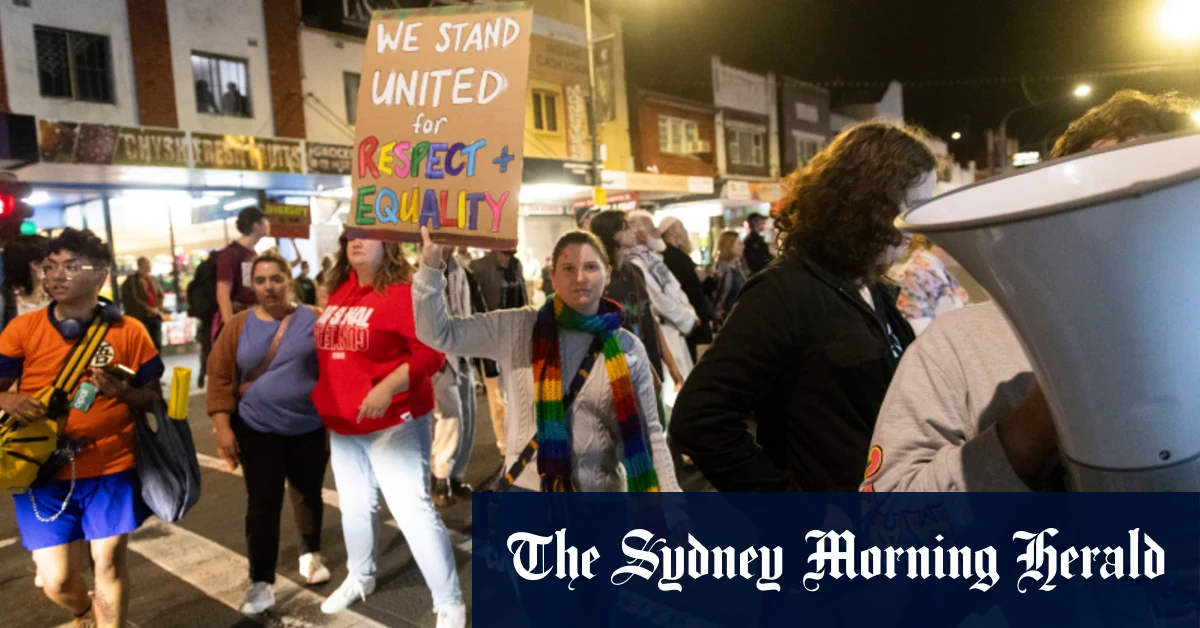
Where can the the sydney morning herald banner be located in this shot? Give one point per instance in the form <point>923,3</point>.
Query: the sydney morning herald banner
<point>702,560</point>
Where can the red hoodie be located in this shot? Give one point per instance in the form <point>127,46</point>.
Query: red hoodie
<point>361,338</point>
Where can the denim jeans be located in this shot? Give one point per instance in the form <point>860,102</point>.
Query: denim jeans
<point>394,461</point>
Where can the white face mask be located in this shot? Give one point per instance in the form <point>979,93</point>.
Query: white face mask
<point>657,245</point>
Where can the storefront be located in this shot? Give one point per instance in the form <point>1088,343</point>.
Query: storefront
<point>705,219</point>
<point>173,197</point>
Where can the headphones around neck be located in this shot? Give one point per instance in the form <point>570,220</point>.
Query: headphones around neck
<point>72,328</point>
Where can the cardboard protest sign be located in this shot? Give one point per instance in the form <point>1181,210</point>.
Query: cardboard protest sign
<point>441,114</point>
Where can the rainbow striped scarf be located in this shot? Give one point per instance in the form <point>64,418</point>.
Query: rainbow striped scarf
<point>554,450</point>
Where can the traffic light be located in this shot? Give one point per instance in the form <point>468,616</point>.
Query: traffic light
<point>13,211</point>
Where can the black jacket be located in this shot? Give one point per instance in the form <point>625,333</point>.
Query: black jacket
<point>756,252</point>
<point>804,357</point>
<point>684,270</point>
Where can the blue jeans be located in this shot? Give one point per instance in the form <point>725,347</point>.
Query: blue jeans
<point>395,462</point>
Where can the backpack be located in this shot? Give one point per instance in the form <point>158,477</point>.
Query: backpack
<point>202,291</point>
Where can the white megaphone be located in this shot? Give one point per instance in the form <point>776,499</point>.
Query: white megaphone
<point>1095,261</point>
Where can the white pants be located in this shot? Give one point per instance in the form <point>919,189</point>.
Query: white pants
<point>394,461</point>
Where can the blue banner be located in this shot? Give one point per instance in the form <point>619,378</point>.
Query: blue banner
<point>702,560</point>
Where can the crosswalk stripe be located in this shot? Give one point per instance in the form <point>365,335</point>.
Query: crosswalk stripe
<point>207,565</point>
<point>459,540</point>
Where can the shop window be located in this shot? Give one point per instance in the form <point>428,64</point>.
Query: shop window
<point>222,85</point>
<point>747,148</point>
<point>545,111</point>
<point>678,136</point>
<point>350,82</point>
<point>73,65</point>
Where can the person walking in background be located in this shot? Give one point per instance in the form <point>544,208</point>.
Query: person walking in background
<point>454,397</point>
<point>501,282</point>
<point>580,422</point>
<point>23,289</point>
<point>757,250</point>
<point>729,274</point>
<point>202,306</point>
<point>322,275</point>
<point>627,286</point>
<point>809,351</point>
<point>306,290</point>
<point>927,289</point>
<point>143,296</point>
<point>670,304</point>
<point>691,277</point>
<point>234,290</point>
<point>375,395</point>
<point>262,373</point>
<point>547,284</point>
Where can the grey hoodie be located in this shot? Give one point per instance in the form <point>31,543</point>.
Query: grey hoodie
<point>936,430</point>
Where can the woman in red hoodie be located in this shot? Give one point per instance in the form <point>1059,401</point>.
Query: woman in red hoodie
<point>375,394</point>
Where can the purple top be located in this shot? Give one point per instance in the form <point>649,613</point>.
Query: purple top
<point>279,402</point>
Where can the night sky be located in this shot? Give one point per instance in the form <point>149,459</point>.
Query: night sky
<point>941,49</point>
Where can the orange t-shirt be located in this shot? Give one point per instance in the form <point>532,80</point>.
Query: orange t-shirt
<point>32,349</point>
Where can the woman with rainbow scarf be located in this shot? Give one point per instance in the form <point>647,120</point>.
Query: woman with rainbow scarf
<point>586,426</point>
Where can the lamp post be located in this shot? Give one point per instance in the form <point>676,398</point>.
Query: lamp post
<point>593,122</point>
<point>1081,91</point>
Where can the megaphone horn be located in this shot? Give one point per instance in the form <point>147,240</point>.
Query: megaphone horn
<point>1095,261</point>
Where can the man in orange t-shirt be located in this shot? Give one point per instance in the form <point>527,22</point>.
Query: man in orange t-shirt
<point>99,500</point>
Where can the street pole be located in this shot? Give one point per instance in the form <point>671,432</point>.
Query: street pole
<point>593,124</point>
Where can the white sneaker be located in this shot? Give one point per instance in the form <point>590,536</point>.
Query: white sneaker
<point>351,591</point>
<point>452,616</point>
<point>313,569</point>
<point>259,598</point>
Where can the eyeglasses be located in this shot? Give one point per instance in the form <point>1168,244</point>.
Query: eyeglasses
<point>70,269</point>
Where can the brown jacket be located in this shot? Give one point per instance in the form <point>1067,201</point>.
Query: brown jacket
<point>133,292</point>
<point>223,375</point>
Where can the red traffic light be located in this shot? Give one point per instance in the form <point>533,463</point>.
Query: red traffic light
<point>11,205</point>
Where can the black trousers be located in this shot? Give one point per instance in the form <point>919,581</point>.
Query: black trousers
<point>267,461</point>
<point>154,328</point>
<point>204,331</point>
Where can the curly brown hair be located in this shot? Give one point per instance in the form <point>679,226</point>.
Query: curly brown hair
<point>841,207</point>
<point>1129,114</point>
<point>396,268</point>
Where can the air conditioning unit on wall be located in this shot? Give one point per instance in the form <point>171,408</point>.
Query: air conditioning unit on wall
<point>700,147</point>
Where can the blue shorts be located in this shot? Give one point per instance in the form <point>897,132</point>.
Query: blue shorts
<point>100,507</point>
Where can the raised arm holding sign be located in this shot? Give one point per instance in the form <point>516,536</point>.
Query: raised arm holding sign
<point>440,134</point>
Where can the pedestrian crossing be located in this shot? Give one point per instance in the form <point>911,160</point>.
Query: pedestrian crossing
<point>207,566</point>
<point>459,540</point>
<point>182,578</point>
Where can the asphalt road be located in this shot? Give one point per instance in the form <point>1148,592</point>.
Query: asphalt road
<point>194,573</point>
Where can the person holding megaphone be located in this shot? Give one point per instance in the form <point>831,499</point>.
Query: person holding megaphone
<point>964,411</point>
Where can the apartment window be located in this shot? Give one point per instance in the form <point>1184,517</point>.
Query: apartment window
<point>747,148</point>
<point>73,65</point>
<point>678,136</point>
<point>545,111</point>
<point>806,149</point>
<point>350,82</point>
<point>222,85</point>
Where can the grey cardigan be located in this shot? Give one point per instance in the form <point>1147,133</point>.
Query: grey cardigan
<point>506,336</point>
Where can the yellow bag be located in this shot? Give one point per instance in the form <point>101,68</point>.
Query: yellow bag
<point>181,388</point>
<point>24,450</point>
